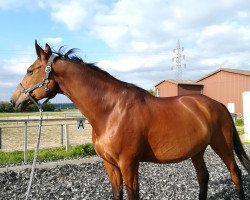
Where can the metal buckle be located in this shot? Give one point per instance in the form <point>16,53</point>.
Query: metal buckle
<point>48,69</point>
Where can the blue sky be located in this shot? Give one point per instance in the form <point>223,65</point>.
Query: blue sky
<point>132,40</point>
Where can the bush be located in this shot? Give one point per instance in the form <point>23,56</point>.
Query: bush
<point>47,107</point>
<point>80,150</point>
<point>31,108</point>
<point>239,122</point>
<point>6,107</point>
<point>151,91</point>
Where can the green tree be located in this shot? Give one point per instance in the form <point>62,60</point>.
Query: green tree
<point>152,91</point>
<point>47,107</point>
<point>6,107</point>
<point>31,108</point>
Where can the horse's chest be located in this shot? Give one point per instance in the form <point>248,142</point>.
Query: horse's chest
<point>106,148</point>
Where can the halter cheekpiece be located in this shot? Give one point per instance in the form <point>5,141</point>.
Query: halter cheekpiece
<point>44,83</point>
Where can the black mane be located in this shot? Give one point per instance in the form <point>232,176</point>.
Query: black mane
<point>71,55</point>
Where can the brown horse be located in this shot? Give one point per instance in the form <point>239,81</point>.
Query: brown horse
<point>130,125</point>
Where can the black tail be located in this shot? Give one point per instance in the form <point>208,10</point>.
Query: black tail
<point>240,151</point>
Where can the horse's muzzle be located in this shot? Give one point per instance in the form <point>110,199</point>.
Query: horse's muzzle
<point>12,103</point>
<point>19,104</point>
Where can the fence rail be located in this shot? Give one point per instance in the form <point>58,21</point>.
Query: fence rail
<point>28,124</point>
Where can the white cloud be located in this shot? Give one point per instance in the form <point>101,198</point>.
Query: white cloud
<point>4,84</point>
<point>143,33</point>
<point>13,69</point>
<point>132,62</point>
<point>17,65</point>
<point>53,40</point>
<point>75,14</point>
<point>224,38</point>
<point>71,14</point>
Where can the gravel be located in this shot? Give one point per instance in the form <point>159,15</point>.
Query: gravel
<point>90,181</point>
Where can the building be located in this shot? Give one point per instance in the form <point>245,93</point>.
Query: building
<point>168,88</point>
<point>224,85</point>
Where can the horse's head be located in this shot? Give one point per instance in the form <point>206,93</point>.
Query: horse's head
<point>38,82</point>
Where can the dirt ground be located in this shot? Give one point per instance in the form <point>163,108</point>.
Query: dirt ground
<point>13,134</point>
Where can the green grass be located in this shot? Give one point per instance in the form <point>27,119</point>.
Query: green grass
<point>51,154</point>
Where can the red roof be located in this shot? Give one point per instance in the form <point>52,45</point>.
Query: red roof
<point>179,82</point>
<point>235,71</point>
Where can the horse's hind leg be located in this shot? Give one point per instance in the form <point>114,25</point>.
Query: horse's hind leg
<point>202,174</point>
<point>115,178</point>
<point>225,151</point>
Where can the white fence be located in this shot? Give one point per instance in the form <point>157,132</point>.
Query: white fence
<point>16,132</point>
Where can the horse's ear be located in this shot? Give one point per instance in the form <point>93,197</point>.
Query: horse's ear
<point>39,51</point>
<point>47,49</point>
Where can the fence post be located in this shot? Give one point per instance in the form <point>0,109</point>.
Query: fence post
<point>66,132</point>
<point>61,134</point>
<point>0,138</point>
<point>25,142</point>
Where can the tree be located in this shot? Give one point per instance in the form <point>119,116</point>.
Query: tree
<point>31,108</point>
<point>152,91</point>
<point>6,107</point>
<point>47,107</point>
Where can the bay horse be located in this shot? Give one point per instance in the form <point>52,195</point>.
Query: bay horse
<point>130,125</point>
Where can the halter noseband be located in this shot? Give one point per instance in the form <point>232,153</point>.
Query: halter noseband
<point>44,83</point>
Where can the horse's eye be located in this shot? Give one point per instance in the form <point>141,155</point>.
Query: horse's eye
<point>30,72</point>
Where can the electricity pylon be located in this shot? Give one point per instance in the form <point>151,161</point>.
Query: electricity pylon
<point>178,60</point>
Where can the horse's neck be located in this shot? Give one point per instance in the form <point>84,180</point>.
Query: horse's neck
<point>93,96</point>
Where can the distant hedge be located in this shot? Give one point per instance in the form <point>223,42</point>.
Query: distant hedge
<point>7,107</point>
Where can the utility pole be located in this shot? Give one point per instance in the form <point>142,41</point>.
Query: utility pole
<point>178,60</point>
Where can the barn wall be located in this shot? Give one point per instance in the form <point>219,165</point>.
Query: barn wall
<point>167,89</point>
<point>227,88</point>
<point>189,89</point>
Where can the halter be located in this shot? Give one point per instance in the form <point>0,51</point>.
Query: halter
<point>44,83</point>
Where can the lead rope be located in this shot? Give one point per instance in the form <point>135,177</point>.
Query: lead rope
<point>28,92</point>
<point>36,153</point>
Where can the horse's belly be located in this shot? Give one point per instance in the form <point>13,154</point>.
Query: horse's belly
<point>177,149</point>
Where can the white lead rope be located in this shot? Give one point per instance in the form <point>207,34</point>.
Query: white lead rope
<point>28,92</point>
<point>35,154</point>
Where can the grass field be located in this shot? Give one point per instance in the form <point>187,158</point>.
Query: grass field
<point>54,153</point>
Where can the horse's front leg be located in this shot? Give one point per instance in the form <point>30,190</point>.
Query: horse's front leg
<point>115,178</point>
<point>129,171</point>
